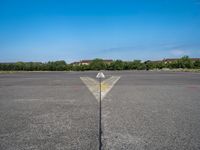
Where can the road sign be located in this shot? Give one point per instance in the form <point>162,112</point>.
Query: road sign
<point>100,75</point>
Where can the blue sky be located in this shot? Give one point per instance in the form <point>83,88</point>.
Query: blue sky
<point>71,30</point>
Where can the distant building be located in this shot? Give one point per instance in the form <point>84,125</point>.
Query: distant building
<point>75,63</point>
<point>87,62</point>
<point>155,61</point>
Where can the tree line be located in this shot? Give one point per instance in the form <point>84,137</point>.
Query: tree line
<point>99,64</point>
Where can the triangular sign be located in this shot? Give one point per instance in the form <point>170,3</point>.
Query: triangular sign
<point>100,75</point>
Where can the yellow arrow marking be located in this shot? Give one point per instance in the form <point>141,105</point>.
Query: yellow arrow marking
<point>104,87</point>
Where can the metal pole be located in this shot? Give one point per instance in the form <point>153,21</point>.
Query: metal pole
<point>100,114</point>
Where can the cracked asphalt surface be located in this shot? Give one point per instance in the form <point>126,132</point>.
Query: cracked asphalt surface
<point>55,110</point>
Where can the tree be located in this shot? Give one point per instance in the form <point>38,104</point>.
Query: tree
<point>149,65</point>
<point>117,65</point>
<point>185,62</point>
<point>97,64</point>
<point>60,65</point>
<point>197,64</point>
<point>136,65</point>
<point>160,65</point>
<point>20,66</point>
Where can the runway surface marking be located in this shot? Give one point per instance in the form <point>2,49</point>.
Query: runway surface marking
<point>106,85</point>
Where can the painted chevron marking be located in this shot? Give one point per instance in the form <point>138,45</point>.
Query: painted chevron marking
<point>106,85</point>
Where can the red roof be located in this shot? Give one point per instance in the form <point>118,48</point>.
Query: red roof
<point>89,61</point>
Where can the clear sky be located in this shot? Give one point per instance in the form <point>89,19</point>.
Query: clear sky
<point>71,30</point>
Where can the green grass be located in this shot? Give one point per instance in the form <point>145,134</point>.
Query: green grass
<point>189,70</point>
<point>183,70</point>
<point>7,72</point>
<point>173,70</point>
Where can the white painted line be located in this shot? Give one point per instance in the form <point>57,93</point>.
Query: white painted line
<point>111,82</point>
<point>93,85</point>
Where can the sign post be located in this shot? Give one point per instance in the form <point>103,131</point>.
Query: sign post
<point>100,76</point>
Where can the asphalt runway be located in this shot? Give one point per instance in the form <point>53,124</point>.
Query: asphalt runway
<point>143,110</point>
